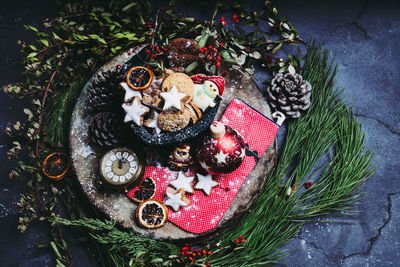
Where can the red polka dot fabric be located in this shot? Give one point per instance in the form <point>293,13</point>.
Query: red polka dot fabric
<point>204,212</point>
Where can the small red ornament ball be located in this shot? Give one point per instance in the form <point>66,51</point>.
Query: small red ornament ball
<point>221,151</point>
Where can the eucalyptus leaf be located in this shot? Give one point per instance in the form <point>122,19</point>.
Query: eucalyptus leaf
<point>192,66</point>
<point>277,48</point>
<point>127,7</point>
<point>45,42</point>
<point>32,54</point>
<point>291,69</point>
<point>203,40</point>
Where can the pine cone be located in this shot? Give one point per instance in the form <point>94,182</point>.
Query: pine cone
<point>104,92</point>
<point>106,129</point>
<point>290,94</point>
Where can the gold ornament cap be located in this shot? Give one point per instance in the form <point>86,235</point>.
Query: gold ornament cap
<point>217,129</point>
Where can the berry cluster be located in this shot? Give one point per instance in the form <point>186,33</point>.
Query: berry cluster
<point>210,54</point>
<point>189,255</point>
<point>308,185</point>
<point>155,51</point>
<point>235,18</point>
<point>222,19</point>
<point>240,240</point>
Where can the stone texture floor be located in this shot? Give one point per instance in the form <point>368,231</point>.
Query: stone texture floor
<point>364,37</point>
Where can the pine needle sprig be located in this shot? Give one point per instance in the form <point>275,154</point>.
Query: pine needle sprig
<point>327,132</point>
<point>129,244</point>
<point>59,110</point>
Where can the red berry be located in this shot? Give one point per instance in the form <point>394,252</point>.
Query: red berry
<point>242,240</point>
<point>196,32</point>
<point>218,58</point>
<point>194,254</point>
<point>210,58</point>
<point>218,64</point>
<point>129,53</point>
<point>204,48</point>
<point>118,66</point>
<point>191,249</point>
<point>147,51</point>
<point>222,19</point>
<point>191,259</point>
<point>221,44</point>
<point>147,66</point>
<point>187,252</point>
<point>165,49</point>
<point>223,23</point>
<point>149,26</point>
<point>183,253</point>
<point>237,240</point>
<point>209,252</point>
<point>210,47</point>
<point>241,236</point>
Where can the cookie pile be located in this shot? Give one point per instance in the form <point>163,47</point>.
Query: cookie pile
<point>168,104</point>
<point>182,185</point>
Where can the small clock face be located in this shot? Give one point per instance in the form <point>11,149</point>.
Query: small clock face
<point>120,166</point>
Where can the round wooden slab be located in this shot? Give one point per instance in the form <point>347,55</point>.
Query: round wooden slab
<point>86,158</point>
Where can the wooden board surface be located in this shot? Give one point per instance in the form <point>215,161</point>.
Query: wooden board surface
<point>117,207</point>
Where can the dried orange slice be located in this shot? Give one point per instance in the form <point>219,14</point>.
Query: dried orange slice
<point>145,191</point>
<point>56,165</point>
<point>152,214</point>
<point>139,78</point>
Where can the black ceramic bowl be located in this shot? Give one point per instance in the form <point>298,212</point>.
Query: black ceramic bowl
<point>167,138</point>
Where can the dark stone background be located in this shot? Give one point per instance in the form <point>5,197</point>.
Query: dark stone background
<point>364,37</point>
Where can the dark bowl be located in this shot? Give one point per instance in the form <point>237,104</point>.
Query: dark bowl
<point>167,138</point>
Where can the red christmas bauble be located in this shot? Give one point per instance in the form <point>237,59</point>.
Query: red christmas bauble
<point>221,151</point>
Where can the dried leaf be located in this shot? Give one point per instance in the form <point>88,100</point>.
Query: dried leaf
<point>291,69</point>
<point>277,48</point>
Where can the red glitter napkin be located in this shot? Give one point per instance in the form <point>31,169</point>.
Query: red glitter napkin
<point>204,212</point>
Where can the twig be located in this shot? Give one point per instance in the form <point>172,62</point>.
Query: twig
<point>42,110</point>
<point>155,27</point>
<point>67,17</point>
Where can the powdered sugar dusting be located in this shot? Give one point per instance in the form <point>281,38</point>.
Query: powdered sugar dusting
<point>204,212</point>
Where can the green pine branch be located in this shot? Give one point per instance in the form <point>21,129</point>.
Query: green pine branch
<point>329,128</point>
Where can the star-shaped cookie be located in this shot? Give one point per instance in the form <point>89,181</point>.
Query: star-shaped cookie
<point>135,111</point>
<point>153,124</point>
<point>175,200</point>
<point>129,92</point>
<point>172,98</point>
<point>206,183</point>
<point>183,182</point>
<point>221,157</point>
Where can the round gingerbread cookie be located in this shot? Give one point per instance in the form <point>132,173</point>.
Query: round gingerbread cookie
<point>171,120</point>
<point>182,81</point>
